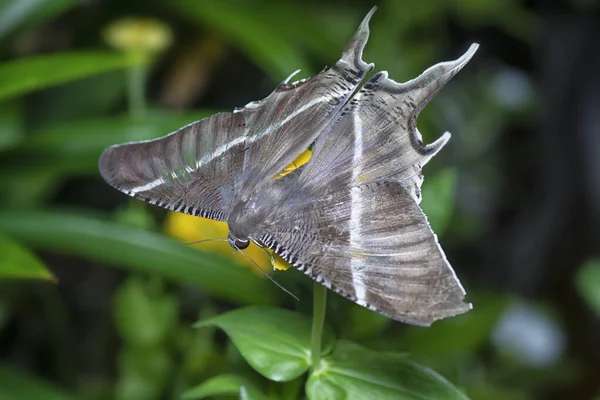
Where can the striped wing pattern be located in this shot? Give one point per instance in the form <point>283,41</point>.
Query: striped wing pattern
<point>373,245</point>
<point>205,167</point>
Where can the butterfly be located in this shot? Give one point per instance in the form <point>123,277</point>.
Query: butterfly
<point>350,217</point>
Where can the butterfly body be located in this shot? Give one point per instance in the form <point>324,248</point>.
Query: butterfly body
<point>350,217</point>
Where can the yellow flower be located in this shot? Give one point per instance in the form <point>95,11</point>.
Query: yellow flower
<point>143,36</point>
<point>188,228</point>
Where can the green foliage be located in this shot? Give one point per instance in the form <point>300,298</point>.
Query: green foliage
<point>63,99</point>
<point>274,341</point>
<point>146,319</point>
<point>355,372</point>
<point>18,386</point>
<point>20,14</point>
<point>438,199</point>
<point>235,19</point>
<point>17,261</point>
<point>588,283</point>
<point>224,385</point>
<point>33,73</point>
<point>90,236</point>
<point>10,124</point>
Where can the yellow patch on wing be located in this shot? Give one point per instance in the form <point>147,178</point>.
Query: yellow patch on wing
<point>297,163</point>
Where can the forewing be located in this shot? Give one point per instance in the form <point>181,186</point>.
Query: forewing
<point>191,170</point>
<point>286,122</point>
<point>203,168</point>
<point>375,138</point>
<point>372,244</point>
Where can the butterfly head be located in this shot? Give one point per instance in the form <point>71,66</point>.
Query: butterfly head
<point>236,243</point>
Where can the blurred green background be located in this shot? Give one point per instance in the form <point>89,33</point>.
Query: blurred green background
<point>97,296</point>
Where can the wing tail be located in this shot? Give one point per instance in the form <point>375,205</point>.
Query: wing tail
<point>376,136</point>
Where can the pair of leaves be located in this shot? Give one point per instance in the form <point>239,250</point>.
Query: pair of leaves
<point>276,343</point>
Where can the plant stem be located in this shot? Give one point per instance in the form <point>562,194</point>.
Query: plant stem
<point>319,307</point>
<point>136,90</point>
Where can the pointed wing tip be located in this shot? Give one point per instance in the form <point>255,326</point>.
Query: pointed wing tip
<point>354,51</point>
<point>434,147</point>
<point>465,58</point>
<point>462,308</point>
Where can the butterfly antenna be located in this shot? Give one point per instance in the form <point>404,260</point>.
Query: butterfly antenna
<point>269,276</point>
<point>206,240</point>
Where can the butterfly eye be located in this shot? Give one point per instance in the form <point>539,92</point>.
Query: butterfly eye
<point>242,244</point>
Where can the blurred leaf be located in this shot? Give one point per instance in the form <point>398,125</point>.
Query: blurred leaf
<point>88,97</point>
<point>15,13</point>
<point>223,385</point>
<point>11,130</point>
<point>588,284</point>
<point>5,311</point>
<point>18,386</point>
<point>498,393</point>
<point>28,74</point>
<point>460,334</point>
<point>438,199</point>
<point>144,318</point>
<point>139,250</point>
<point>362,323</point>
<point>18,262</point>
<point>22,188</point>
<point>144,373</point>
<point>244,23</point>
<point>355,372</point>
<point>274,341</point>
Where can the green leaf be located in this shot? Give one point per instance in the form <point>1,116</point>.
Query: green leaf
<point>588,284</point>
<point>24,75</point>
<point>438,199</point>
<point>18,262</point>
<point>18,386</point>
<point>142,316</point>
<point>70,102</point>
<point>139,250</point>
<point>144,372</point>
<point>253,32</point>
<point>354,372</point>
<point>16,13</point>
<point>223,385</point>
<point>11,130</point>
<point>274,341</point>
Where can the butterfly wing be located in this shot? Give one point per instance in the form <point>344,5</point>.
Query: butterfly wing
<point>190,170</point>
<point>204,167</point>
<point>288,121</point>
<point>372,244</point>
<point>368,239</point>
<point>376,138</point>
